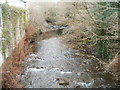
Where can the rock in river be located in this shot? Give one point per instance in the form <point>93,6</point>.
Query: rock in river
<point>63,81</point>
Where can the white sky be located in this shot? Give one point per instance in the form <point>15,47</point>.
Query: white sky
<point>75,0</point>
<point>17,3</point>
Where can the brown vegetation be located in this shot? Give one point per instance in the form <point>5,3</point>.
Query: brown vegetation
<point>13,65</point>
<point>114,66</point>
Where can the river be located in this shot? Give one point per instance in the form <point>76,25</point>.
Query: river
<point>54,65</point>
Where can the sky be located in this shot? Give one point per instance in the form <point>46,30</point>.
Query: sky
<point>20,4</point>
<point>17,3</point>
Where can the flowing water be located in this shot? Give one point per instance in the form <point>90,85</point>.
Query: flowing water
<point>54,65</point>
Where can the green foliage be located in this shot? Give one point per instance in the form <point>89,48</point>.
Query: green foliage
<point>10,16</point>
<point>102,51</point>
<point>109,4</point>
<point>4,52</point>
<point>104,20</point>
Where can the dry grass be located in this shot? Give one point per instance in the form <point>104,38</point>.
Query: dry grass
<point>13,65</point>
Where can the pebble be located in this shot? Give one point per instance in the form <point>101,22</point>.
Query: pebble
<point>77,54</point>
<point>63,81</point>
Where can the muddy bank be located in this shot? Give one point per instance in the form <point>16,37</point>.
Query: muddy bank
<point>13,64</point>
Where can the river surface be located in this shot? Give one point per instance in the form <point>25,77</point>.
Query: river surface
<point>54,65</point>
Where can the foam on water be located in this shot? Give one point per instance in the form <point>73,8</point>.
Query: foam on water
<point>65,72</point>
<point>33,55</point>
<point>35,70</point>
<point>86,84</point>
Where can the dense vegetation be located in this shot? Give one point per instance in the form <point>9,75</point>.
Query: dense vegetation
<point>92,30</point>
<point>14,24</point>
<point>95,22</point>
<point>106,21</point>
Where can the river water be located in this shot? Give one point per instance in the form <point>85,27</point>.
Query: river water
<point>54,65</point>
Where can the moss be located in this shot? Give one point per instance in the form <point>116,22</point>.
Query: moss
<point>11,15</point>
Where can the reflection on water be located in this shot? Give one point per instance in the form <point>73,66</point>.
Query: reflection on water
<point>51,49</point>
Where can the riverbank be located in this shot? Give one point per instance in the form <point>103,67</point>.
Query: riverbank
<point>76,41</point>
<point>13,64</point>
<point>50,55</point>
<point>54,65</point>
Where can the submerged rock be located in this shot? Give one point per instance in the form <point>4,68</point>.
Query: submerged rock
<point>78,86</point>
<point>77,54</point>
<point>63,81</point>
